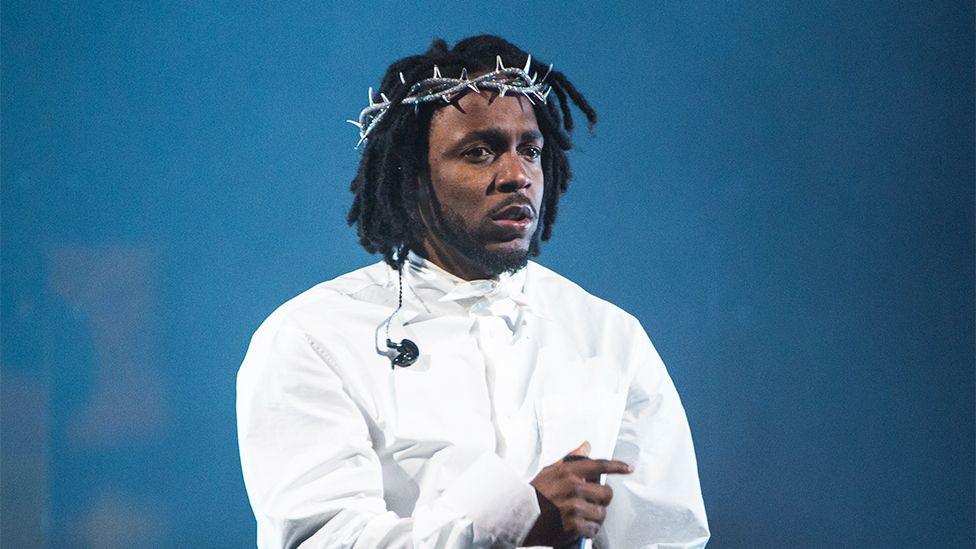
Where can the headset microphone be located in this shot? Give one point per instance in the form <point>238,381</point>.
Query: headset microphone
<point>405,353</point>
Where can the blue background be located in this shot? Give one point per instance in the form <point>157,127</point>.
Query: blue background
<point>781,192</point>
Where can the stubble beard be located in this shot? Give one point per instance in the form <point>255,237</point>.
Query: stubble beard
<point>470,243</point>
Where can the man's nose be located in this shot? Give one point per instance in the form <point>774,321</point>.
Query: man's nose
<point>513,175</point>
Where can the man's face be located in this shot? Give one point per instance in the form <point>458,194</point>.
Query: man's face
<point>486,184</point>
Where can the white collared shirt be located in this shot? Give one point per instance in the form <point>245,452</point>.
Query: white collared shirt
<point>340,450</point>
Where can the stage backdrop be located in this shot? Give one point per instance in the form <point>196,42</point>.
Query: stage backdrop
<point>782,193</point>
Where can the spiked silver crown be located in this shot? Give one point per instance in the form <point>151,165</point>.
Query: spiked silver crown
<point>504,80</point>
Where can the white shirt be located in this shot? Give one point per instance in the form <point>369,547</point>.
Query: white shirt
<point>340,450</point>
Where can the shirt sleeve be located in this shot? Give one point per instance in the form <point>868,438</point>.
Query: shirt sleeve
<point>314,479</point>
<point>659,505</point>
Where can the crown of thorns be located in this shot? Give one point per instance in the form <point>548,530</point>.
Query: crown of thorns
<point>504,80</point>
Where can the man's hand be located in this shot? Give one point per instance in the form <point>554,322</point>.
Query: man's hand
<point>572,501</point>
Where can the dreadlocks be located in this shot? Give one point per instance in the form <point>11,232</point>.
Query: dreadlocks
<point>385,209</point>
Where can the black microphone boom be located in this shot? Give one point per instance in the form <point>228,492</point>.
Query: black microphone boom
<point>405,353</point>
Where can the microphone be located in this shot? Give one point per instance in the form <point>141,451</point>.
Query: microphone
<point>404,353</point>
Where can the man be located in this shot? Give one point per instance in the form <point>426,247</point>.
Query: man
<point>456,394</point>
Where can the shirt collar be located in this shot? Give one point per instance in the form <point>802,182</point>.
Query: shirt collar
<point>442,292</point>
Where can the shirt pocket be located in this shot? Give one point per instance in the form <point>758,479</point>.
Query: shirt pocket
<point>567,419</point>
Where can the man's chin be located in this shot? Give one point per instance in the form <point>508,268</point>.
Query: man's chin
<point>492,251</point>
<point>514,245</point>
<point>501,257</point>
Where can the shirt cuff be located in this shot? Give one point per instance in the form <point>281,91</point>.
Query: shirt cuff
<point>495,499</point>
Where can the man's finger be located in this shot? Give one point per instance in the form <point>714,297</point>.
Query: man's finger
<point>578,526</point>
<point>596,493</point>
<point>588,511</point>
<point>589,468</point>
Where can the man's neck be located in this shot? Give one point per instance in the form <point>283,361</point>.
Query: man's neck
<point>444,258</point>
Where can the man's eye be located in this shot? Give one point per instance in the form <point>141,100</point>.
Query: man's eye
<point>477,154</point>
<point>532,152</point>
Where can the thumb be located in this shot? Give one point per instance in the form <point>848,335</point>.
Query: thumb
<point>582,450</point>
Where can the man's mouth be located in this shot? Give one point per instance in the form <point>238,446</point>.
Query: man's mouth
<point>515,212</point>
<point>514,221</point>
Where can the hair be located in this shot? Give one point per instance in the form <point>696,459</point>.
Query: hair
<point>385,208</point>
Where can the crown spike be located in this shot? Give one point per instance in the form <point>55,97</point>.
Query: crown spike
<point>354,123</point>
<point>464,74</point>
<point>498,63</point>
<point>371,102</point>
<point>437,72</point>
<point>547,74</point>
<point>528,63</point>
<point>402,79</point>
<point>383,95</point>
